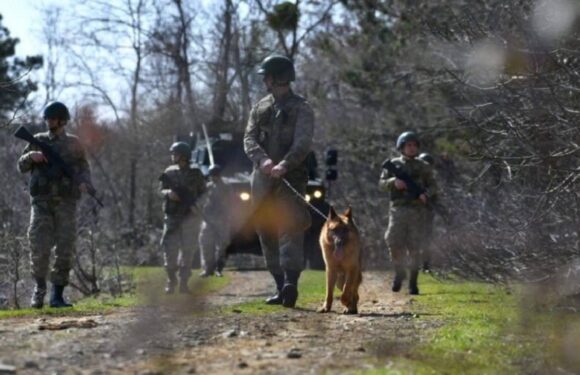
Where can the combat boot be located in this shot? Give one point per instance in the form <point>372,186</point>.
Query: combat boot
<point>400,275</point>
<point>220,267</point>
<point>170,285</point>
<point>276,299</point>
<point>205,274</point>
<point>37,301</point>
<point>183,288</point>
<point>56,298</point>
<point>413,288</point>
<point>289,292</point>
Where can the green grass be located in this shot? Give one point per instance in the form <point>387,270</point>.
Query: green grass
<point>309,290</point>
<point>476,328</point>
<point>479,335</point>
<point>149,283</point>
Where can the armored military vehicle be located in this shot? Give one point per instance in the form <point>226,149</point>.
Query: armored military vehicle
<point>228,152</point>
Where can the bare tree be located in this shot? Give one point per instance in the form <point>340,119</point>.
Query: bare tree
<point>115,29</point>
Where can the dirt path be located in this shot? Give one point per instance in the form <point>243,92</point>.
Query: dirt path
<point>170,339</point>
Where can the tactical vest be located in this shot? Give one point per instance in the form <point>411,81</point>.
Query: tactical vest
<point>277,124</point>
<point>187,183</point>
<point>48,180</point>
<point>415,169</point>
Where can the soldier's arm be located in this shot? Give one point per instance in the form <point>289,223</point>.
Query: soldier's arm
<point>302,138</point>
<point>252,147</point>
<point>386,182</point>
<point>163,190</point>
<point>25,162</point>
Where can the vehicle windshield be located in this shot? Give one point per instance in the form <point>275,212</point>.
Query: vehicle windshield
<point>230,156</point>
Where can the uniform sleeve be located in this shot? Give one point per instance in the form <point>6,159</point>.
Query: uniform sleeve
<point>25,161</point>
<point>252,148</point>
<point>386,182</point>
<point>303,133</point>
<point>163,185</point>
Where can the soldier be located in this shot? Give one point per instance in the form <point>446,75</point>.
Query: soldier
<point>54,197</point>
<point>215,229</point>
<point>407,214</point>
<point>277,140</point>
<point>180,186</point>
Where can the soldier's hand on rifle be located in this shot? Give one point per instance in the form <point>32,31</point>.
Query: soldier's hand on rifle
<point>171,195</point>
<point>423,198</point>
<point>38,157</point>
<point>266,166</point>
<point>400,184</point>
<point>278,171</point>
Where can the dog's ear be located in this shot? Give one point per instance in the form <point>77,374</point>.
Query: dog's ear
<point>332,214</point>
<point>348,214</point>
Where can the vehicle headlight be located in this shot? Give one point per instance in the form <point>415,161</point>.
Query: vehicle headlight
<point>317,194</point>
<point>245,196</point>
<point>308,197</point>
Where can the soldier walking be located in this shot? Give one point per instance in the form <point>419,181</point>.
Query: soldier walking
<point>54,197</point>
<point>214,235</point>
<point>277,139</point>
<point>404,236</point>
<point>180,186</point>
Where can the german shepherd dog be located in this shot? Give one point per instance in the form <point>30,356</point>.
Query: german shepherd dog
<point>340,244</point>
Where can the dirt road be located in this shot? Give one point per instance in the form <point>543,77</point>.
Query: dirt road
<point>192,337</point>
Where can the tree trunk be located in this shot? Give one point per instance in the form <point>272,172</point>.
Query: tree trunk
<point>221,93</point>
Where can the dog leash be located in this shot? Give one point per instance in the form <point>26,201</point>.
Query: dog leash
<point>297,193</point>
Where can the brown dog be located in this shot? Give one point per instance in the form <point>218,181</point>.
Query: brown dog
<point>340,244</point>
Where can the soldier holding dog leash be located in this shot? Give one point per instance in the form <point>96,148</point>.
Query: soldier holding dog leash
<point>277,139</point>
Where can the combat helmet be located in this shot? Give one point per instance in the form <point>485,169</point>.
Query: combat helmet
<point>181,149</point>
<point>279,66</point>
<point>406,137</point>
<point>427,158</point>
<point>56,110</point>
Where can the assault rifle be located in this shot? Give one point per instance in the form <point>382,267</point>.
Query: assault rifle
<point>414,190</point>
<point>185,198</point>
<point>55,160</point>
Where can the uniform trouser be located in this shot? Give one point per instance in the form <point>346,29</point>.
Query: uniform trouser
<point>213,243</point>
<point>281,221</point>
<point>179,244</point>
<point>404,235</point>
<point>52,225</point>
<point>426,247</point>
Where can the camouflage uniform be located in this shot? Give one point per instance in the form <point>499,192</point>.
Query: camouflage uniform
<point>214,235</point>
<point>281,131</point>
<point>407,218</point>
<point>181,222</point>
<point>54,198</point>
